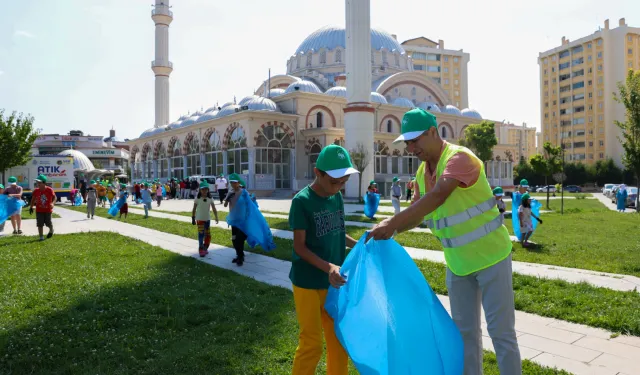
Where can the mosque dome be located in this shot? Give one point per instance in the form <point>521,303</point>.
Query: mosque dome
<point>337,91</point>
<point>228,110</point>
<point>403,102</point>
<point>190,121</point>
<point>468,112</point>
<point>378,98</point>
<point>246,99</point>
<point>211,109</point>
<point>147,133</point>
<point>80,161</point>
<point>273,93</point>
<point>209,115</point>
<point>452,110</point>
<point>429,106</point>
<point>175,124</point>
<point>258,103</point>
<point>303,86</point>
<point>332,37</point>
<point>183,117</point>
<point>227,104</point>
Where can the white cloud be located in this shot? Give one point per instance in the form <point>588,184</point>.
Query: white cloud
<point>23,33</point>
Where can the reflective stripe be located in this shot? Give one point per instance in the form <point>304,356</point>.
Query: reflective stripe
<point>473,235</point>
<point>429,223</point>
<point>465,215</point>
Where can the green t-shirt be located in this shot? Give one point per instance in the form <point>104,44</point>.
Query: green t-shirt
<point>323,221</point>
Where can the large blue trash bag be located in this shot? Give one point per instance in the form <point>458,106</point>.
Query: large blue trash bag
<point>9,206</point>
<point>515,219</point>
<point>248,218</point>
<point>387,317</point>
<point>164,192</point>
<point>78,200</point>
<point>371,202</point>
<point>113,211</point>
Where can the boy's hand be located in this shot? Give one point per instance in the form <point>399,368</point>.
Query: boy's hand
<point>540,221</point>
<point>335,279</point>
<point>193,220</point>
<point>30,210</point>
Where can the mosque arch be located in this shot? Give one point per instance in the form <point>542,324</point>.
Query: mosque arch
<point>191,149</point>
<point>226,138</point>
<point>147,161</point>
<point>273,145</point>
<point>381,153</point>
<point>384,124</point>
<point>174,153</point>
<point>235,144</point>
<point>280,81</point>
<point>313,152</point>
<point>212,147</point>
<point>313,111</point>
<point>446,131</point>
<point>160,155</point>
<point>462,131</point>
<point>415,79</point>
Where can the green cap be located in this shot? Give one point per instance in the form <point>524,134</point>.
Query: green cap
<point>234,177</point>
<point>204,184</point>
<point>414,123</point>
<point>12,180</point>
<point>372,182</point>
<point>396,179</point>
<point>524,183</point>
<point>41,178</point>
<point>1,186</point>
<point>335,161</point>
<point>123,186</point>
<point>526,196</point>
<point>110,185</point>
<point>498,191</point>
<point>145,184</point>
<point>93,182</point>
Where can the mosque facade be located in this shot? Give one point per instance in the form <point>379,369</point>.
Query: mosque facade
<point>273,137</point>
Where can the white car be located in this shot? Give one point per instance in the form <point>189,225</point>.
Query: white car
<point>607,189</point>
<point>550,188</point>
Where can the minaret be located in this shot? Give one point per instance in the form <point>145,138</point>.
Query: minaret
<point>161,66</point>
<point>359,113</point>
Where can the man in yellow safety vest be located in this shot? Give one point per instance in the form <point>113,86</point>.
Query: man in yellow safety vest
<point>457,202</point>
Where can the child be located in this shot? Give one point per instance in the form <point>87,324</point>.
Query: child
<point>158,194</point>
<point>111,195</point>
<point>124,209</point>
<point>498,194</point>
<point>145,193</point>
<point>44,199</point>
<point>92,199</point>
<point>102,194</point>
<point>373,187</point>
<point>525,214</point>
<point>237,236</point>
<point>202,216</point>
<point>319,244</point>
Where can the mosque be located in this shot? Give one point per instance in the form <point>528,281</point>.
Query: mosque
<point>273,136</point>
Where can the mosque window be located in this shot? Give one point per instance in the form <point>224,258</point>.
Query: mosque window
<point>193,157</point>
<point>410,163</point>
<point>384,57</point>
<point>444,132</point>
<point>323,57</point>
<point>213,157</point>
<point>177,162</point>
<point>389,126</point>
<point>397,59</point>
<point>338,55</point>
<point>237,154</point>
<point>413,91</point>
<point>309,59</point>
<point>313,157</point>
<point>319,120</point>
<point>273,154</point>
<point>382,153</point>
<point>163,163</point>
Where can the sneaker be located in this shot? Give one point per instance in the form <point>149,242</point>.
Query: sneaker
<point>50,234</point>
<point>19,231</point>
<point>87,216</point>
<point>91,217</point>
<point>15,232</point>
<point>203,253</point>
<point>235,260</point>
<point>240,261</point>
<point>41,238</point>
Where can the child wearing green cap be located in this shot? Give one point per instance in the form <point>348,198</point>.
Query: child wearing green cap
<point>203,204</point>
<point>92,199</point>
<point>498,193</point>
<point>124,209</point>
<point>525,214</point>
<point>44,199</point>
<point>145,195</point>
<point>238,237</point>
<point>319,249</point>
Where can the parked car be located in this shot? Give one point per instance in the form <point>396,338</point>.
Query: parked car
<point>632,193</point>
<point>544,189</point>
<point>573,189</point>
<point>606,190</point>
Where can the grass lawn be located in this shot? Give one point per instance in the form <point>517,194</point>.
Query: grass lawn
<point>70,307</point>
<point>570,205</point>
<point>566,194</point>
<point>578,303</point>
<point>27,216</point>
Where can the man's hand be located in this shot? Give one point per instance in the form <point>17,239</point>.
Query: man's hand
<point>193,220</point>
<point>52,205</point>
<point>30,210</point>
<point>383,231</point>
<point>335,279</point>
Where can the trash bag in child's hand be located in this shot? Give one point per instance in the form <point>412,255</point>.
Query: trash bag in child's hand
<point>9,206</point>
<point>113,211</point>
<point>247,217</point>
<point>78,200</point>
<point>371,202</point>
<point>515,218</point>
<point>387,317</point>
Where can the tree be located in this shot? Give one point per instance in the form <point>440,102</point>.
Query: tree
<point>480,138</point>
<point>629,96</point>
<point>360,158</point>
<point>547,164</point>
<point>17,136</point>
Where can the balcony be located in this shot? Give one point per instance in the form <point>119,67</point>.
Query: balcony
<point>161,11</point>
<point>162,64</point>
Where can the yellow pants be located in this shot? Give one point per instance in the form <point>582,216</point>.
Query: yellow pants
<point>312,318</point>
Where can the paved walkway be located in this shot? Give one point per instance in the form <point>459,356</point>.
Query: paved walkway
<point>607,202</point>
<point>572,275</point>
<point>550,342</point>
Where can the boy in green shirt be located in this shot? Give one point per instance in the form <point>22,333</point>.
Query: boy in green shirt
<point>319,244</point>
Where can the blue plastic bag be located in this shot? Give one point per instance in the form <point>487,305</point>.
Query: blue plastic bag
<point>248,218</point>
<point>113,211</point>
<point>164,192</point>
<point>371,202</point>
<point>78,200</point>
<point>9,206</point>
<point>515,219</point>
<point>387,317</point>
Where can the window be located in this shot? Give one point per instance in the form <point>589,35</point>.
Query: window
<point>563,54</point>
<point>600,93</point>
<point>546,104</point>
<point>554,102</point>
<point>413,91</point>
<point>457,93</point>
<point>578,156</point>
<point>578,61</point>
<point>384,57</point>
<point>436,79</point>
<point>564,66</point>
<point>193,157</point>
<point>389,126</point>
<point>600,105</point>
<point>599,42</point>
<point>319,118</point>
<point>589,83</point>
<point>455,59</point>
<point>601,143</point>
<point>590,156</point>
<point>433,57</point>
<point>630,64</point>
<point>590,143</point>
<point>564,100</point>
<point>419,56</point>
<point>564,77</point>
<point>579,132</point>
<point>578,109</point>
<point>444,132</point>
<point>591,107</point>
<point>213,157</point>
<point>418,67</point>
<point>590,71</point>
<point>446,81</point>
<point>163,163</point>
<point>630,38</point>
<point>314,152</point>
<point>553,58</point>
<point>545,72</point>
<point>590,131</point>
<point>577,49</point>
<point>565,88</point>
<point>589,45</point>
<point>446,70</point>
<point>553,69</point>
<point>590,119</point>
<point>578,97</point>
<point>237,154</point>
<point>599,55</point>
<point>273,155</point>
<point>309,59</point>
<point>455,71</point>
<point>323,57</point>
<point>578,85</point>
<point>382,153</point>
<point>338,55</point>
<point>601,118</point>
<point>600,80</point>
<point>589,58</point>
<point>410,163</point>
<point>601,155</point>
<point>431,68</point>
<point>578,144</point>
<point>590,95</point>
<point>578,73</point>
<point>455,82</point>
<point>630,51</point>
<point>577,121</point>
<point>177,162</point>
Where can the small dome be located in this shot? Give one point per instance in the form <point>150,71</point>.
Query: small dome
<point>378,98</point>
<point>227,104</point>
<point>429,106</point>
<point>273,93</point>
<point>452,110</point>
<point>209,115</point>
<point>183,117</point>
<point>468,112</point>
<point>146,133</point>
<point>174,125</point>
<point>303,86</point>
<point>211,109</point>
<point>337,91</point>
<point>246,99</point>
<point>190,121</point>
<point>403,102</point>
<point>197,113</point>
<point>258,103</point>
<point>80,161</point>
<point>228,110</point>
<point>332,37</point>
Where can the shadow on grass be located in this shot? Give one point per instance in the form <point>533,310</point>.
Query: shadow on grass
<point>103,303</point>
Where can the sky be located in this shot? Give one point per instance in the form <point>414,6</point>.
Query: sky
<point>86,64</point>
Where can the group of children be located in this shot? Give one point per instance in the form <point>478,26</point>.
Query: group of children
<point>521,200</point>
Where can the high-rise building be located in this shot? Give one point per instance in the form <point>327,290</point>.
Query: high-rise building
<point>519,140</point>
<point>446,67</point>
<point>577,82</point>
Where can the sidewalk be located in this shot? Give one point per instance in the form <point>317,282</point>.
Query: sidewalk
<point>550,342</point>
<point>572,275</point>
